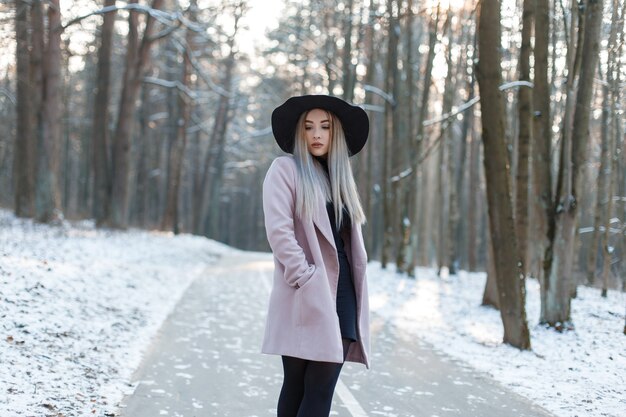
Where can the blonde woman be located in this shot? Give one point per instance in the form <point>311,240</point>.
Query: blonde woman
<point>318,314</point>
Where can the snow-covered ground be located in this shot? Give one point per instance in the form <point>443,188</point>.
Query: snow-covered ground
<point>78,307</point>
<point>580,373</point>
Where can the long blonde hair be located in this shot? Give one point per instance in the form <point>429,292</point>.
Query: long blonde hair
<point>313,184</point>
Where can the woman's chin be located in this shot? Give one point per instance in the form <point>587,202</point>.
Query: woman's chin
<point>320,153</point>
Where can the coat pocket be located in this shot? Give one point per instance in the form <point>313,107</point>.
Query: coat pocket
<point>314,301</point>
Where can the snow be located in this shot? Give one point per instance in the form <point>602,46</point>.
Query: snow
<point>580,373</point>
<point>79,307</point>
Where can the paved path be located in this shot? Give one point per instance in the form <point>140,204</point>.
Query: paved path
<point>206,362</point>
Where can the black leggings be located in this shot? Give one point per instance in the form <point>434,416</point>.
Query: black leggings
<point>308,386</point>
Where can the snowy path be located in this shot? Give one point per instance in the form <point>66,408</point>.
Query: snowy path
<point>206,362</point>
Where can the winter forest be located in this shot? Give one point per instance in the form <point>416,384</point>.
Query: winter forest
<point>496,142</point>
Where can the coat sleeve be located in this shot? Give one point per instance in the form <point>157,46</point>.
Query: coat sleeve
<point>279,202</point>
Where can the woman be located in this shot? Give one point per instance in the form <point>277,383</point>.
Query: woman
<point>318,315</point>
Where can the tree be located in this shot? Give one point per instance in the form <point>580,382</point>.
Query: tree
<point>25,145</point>
<point>418,218</point>
<point>137,56</point>
<point>524,139</point>
<point>560,253</point>
<point>348,78</point>
<point>391,80</point>
<point>612,133</point>
<point>179,137</point>
<point>48,193</point>
<point>207,221</point>
<point>541,148</point>
<point>100,149</point>
<point>456,238</point>
<point>604,195</point>
<point>507,262</point>
<point>445,151</point>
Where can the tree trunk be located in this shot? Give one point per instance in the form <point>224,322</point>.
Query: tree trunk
<point>347,83</point>
<point>137,56</point>
<point>558,265</point>
<point>208,221</point>
<point>48,197</point>
<point>541,147</point>
<point>371,235</point>
<point>388,194</point>
<point>24,163</point>
<point>457,172</point>
<point>418,215</point>
<point>510,286</point>
<point>611,94</point>
<point>448,147</point>
<point>567,242</point>
<point>145,163</point>
<point>443,169</point>
<point>524,139</point>
<point>620,163</point>
<point>490,294</point>
<point>177,149</point>
<point>330,49</point>
<point>604,178</point>
<point>607,250</point>
<point>405,253</point>
<point>37,84</point>
<point>101,150</point>
<point>474,195</point>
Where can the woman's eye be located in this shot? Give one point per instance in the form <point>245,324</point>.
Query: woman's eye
<point>325,127</point>
<point>307,128</point>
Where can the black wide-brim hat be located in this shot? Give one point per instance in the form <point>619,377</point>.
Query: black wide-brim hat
<point>353,119</point>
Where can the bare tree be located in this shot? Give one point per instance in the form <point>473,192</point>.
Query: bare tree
<point>207,221</point>
<point>418,218</point>
<point>445,150</point>
<point>347,67</point>
<point>458,199</point>
<point>48,194</point>
<point>604,180</point>
<point>179,141</point>
<point>612,93</point>
<point>137,56</point>
<point>560,252</point>
<point>404,251</point>
<point>524,139</point>
<point>25,145</point>
<point>372,150</point>
<point>541,146</point>
<point>510,286</point>
<point>391,79</point>
<point>100,150</point>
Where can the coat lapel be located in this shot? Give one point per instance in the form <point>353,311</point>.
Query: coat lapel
<point>322,222</point>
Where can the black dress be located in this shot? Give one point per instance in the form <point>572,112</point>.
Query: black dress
<point>346,294</point>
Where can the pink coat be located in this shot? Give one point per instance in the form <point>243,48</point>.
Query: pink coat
<point>302,317</point>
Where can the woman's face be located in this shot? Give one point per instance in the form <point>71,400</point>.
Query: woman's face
<point>317,132</point>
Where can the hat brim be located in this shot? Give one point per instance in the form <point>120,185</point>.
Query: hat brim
<point>353,119</point>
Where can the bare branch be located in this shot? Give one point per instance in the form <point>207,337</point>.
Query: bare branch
<point>165,18</point>
<point>388,97</point>
<point>453,113</point>
<point>473,101</point>
<point>8,94</point>
<point>171,84</point>
<point>196,65</point>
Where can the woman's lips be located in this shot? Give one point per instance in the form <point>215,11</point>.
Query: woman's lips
<point>317,145</point>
